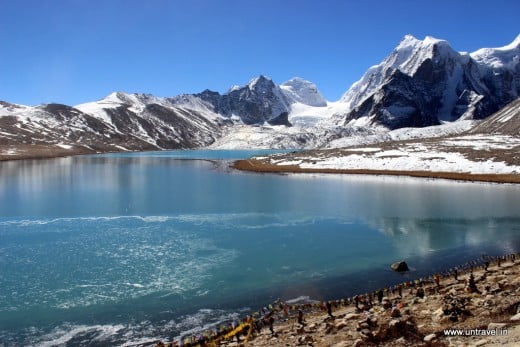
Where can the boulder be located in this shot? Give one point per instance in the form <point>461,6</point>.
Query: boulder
<point>386,304</point>
<point>330,328</point>
<point>351,316</point>
<point>307,339</point>
<point>363,325</point>
<point>430,337</point>
<point>366,334</point>
<point>496,326</point>
<point>515,318</point>
<point>400,266</point>
<point>420,292</point>
<point>341,324</point>
<point>393,323</point>
<point>395,313</point>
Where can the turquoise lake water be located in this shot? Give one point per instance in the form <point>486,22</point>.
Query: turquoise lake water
<point>127,248</point>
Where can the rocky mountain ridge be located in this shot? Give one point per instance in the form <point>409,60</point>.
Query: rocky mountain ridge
<point>123,121</point>
<point>421,83</point>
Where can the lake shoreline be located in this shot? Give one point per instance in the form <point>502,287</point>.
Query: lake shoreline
<point>420,316</point>
<point>252,165</point>
<point>480,299</point>
<point>40,152</point>
<point>318,219</point>
<point>259,166</point>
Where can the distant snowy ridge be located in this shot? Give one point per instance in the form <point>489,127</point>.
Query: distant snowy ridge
<point>118,122</point>
<point>258,102</point>
<point>421,84</point>
<point>506,57</point>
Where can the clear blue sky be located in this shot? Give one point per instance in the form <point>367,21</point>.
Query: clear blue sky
<point>74,51</point>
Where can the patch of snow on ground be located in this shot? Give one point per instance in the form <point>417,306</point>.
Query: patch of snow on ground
<point>364,149</point>
<point>484,142</point>
<point>10,151</point>
<point>121,148</point>
<point>383,135</point>
<point>64,146</point>
<point>96,109</point>
<point>438,156</point>
<point>448,128</point>
<point>305,115</point>
<point>391,153</point>
<point>289,162</point>
<point>434,161</point>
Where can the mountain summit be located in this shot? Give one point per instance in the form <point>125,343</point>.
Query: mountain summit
<point>420,83</point>
<point>302,91</point>
<point>425,82</point>
<point>260,101</point>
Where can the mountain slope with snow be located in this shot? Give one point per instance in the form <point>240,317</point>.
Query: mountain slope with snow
<point>260,101</point>
<point>504,122</point>
<point>118,122</point>
<point>298,90</point>
<point>459,150</point>
<point>62,125</point>
<point>426,82</point>
<point>421,84</point>
<point>155,120</point>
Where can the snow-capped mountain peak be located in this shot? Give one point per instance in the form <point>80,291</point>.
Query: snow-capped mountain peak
<point>299,90</point>
<point>420,83</point>
<point>425,82</point>
<point>506,57</point>
<point>258,101</point>
<point>515,43</point>
<point>134,102</point>
<point>411,53</point>
<point>130,98</point>
<point>407,57</point>
<point>9,109</point>
<point>260,82</point>
<point>233,88</point>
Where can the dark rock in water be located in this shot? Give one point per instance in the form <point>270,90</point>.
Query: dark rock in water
<point>400,266</point>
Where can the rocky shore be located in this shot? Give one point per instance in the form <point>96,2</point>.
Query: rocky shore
<point>477,304</point>
<point>482,304</point>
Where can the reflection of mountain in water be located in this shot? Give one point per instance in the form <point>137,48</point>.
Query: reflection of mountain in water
<point>424,236</point>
